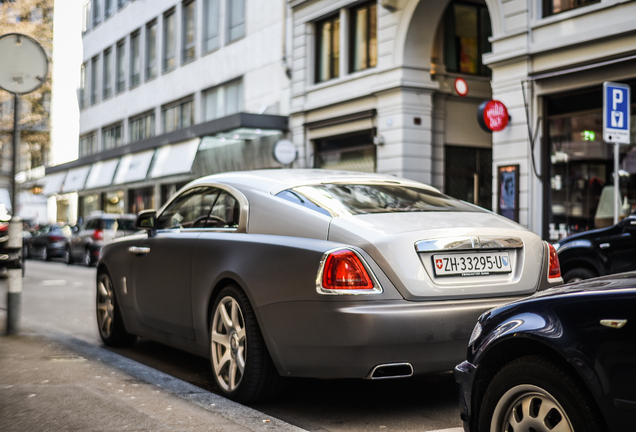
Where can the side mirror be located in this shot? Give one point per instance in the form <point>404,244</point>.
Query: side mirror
<point>147,220</point>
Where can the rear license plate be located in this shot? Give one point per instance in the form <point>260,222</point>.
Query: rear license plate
<point>471,264</point>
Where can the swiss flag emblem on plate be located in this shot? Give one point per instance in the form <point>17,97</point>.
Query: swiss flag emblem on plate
<point>438,263</point>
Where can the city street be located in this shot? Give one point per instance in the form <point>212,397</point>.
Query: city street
<point>61,298</point>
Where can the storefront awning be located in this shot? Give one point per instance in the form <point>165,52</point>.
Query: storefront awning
<point>54,183</point>
<point>101,174</point>
<point>133,167</point>
<point>75,179</point>
<point>175,158</point>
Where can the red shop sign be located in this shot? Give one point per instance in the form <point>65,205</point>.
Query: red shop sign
<point>492,116</point>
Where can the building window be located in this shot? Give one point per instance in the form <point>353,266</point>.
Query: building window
<point>107,87</point>
<point>351,152</point>
<point>141,199</point>
<point>112,137</point>
<point>552,7</point>
<point>189,37</point>
<point>135,58</point>
<point>108,8</point>
<point>121,66</point>
<point>142,127</point>
<point>223,100</point>
<point>364,37</point>
<point>328,49</point>
<point>121,3</point>
<point>169,43</point>
<point>466,32</point>
<point>151,50</point>
<point>96,13</point>
<point>94,79</point>
<point>178,115</point>
<point>82,87</point>
<point>88,144</point>
<point>86,16</point>
<point>211,35</point>
<point>236,19</point>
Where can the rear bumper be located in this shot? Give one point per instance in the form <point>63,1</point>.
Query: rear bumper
<point>347,339</point>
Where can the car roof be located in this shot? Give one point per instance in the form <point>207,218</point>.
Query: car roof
<point>277,180</point>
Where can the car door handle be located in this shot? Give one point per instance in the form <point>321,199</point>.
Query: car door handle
<point>139,250</point>
<point>604,245</point>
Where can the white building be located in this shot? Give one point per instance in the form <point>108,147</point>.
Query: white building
<point>171,90</point>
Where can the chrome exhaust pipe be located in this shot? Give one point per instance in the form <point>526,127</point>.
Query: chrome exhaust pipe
<point>391,370</point>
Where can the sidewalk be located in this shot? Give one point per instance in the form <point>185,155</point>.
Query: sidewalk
<point>53,382</point>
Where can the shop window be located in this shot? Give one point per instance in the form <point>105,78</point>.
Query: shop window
<point>178,116</point>
<point>222,101</point>
<point>142,127</point>
<point>188,37</point>
<point>107,87</point>
<point>236,19</point>
<point>328,49</point>
<point>468,170</point>
<point>364,37</point>
<point>120,72</point>
<point>113,202</point>
<point>169,41</point>
<point>151,50</point>
<point>112,137</point>
<point>141,199</point>
<point>88,204</point>
<point>135,58</point>
<point>580,186</point>
<point>354,152</point>
<point>552,7</point>
<point>466,32</point>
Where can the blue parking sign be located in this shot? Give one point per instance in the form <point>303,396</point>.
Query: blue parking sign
<point>616,99</point>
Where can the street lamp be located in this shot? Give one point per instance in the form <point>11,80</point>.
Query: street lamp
<point>23,70</point>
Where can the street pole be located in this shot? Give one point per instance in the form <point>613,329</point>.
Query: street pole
<point>617,184</point>
<point>14,292</point>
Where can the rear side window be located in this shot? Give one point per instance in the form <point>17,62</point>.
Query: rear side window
<point>203,207</point>
<point>358,199</point>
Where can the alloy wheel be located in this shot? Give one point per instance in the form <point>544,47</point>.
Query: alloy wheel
<point>229,344</point>
<point>105,306</point>
<point>529,408</point>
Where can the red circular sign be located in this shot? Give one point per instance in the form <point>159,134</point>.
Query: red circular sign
<point>461,86</point>
<point>493,116</point>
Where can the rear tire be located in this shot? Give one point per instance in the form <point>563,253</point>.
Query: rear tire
<point>45,254</point>
<point>109,320</point>
<point>241,364</point>
<point>68,259</point>
<point>533,393</point>
<point>577,274</point>
<point>88,258</point>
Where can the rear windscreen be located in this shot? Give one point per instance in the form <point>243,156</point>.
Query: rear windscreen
<point>367,199</point>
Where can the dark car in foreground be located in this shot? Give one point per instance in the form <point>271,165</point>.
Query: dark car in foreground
<point>599,252</point>
<point>312,273</point>
<point>560,360</point>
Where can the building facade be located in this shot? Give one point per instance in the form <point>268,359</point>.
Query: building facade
<point>395,86</point>
<point>171,90</point>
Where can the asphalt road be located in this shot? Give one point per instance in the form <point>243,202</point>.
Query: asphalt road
<point>63,297</point>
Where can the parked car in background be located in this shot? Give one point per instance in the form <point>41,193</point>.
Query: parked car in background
<point>48,241</point>
<point>560,360</point>
<point>313,273</point>
<point>599,252</point>
<point>98,230</point>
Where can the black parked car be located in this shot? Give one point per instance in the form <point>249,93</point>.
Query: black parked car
<point>560,360</point>
<point>599,252</point>
<point>49,241</point>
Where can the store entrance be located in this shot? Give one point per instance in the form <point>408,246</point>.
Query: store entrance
<point>468,170</point>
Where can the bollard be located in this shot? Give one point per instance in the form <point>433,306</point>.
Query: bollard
<point>14,273</point>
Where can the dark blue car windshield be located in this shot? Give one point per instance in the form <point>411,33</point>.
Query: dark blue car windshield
<point>359,199</point>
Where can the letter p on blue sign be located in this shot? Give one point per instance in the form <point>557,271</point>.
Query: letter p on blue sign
<point>616,99</point>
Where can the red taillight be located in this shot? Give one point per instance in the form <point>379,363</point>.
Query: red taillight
<point>344,270</point>
<point>555,267</point>
<point>55,238</point>
<point>4,226</point>
<point>98,234</point>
